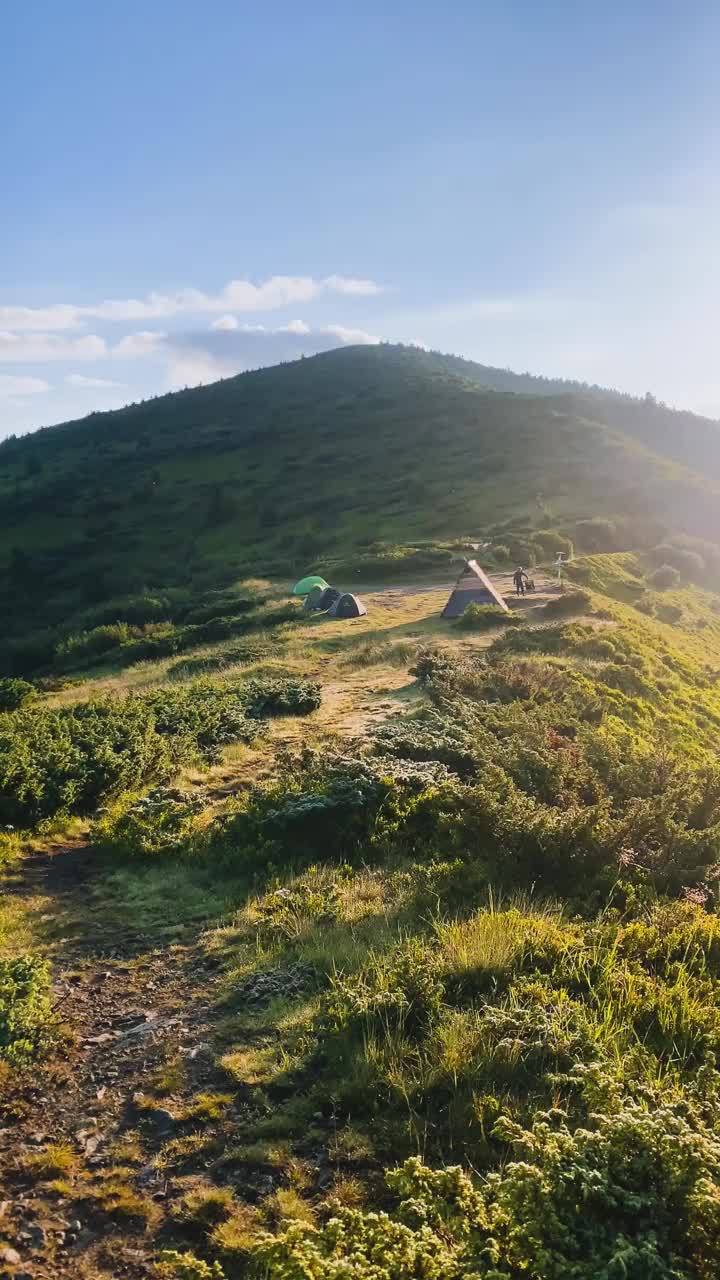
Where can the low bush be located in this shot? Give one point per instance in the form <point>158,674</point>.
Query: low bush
<point>500,552</point>
<point>331,806</point>
<point>221,605</point>
<point>201,718</point>
<point>93,644</point>
<point>689,564</point>
<point>634,1195</point>
<point>386,561</point>
<point>482,617</point>
<point>65,760</point>
<point>163,822</point>
<point>523,551</point>
<point>671,613</point>
<point>136,610</point>
<point>173,1265</point>
<point>281,696</point>
<point>568,604</point>
<point>551,543</point>
<point>24,1008</point>
<point>122,644</point>
<point>234,656</point>
<point>664,578</point>
<point>597,534</point>
<point>15,693</point>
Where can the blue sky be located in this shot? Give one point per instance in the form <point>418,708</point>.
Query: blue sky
<point>189,190</point>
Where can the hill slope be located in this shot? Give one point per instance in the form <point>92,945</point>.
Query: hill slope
<point>276,469</point>
<point>477,919</point>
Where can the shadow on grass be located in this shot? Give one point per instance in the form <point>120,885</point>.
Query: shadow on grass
<point>100,907</point>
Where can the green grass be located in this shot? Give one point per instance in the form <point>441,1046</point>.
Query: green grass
<point>363,462</point>
<point>472,939</point>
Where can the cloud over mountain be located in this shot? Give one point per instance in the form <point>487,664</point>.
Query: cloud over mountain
<point>237,295</point>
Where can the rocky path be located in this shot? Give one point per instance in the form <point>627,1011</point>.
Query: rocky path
<point>81,1182</point>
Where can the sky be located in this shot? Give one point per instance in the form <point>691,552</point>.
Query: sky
<point>191,190</point>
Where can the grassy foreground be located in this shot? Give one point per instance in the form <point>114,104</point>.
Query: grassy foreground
<point>465,960</point>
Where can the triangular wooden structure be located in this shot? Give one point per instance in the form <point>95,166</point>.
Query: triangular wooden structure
<point>472,587</point>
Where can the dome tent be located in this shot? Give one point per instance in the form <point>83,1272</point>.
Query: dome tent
<point>329,597</point>
<point>348,606</point>
<point>314,599</point>
<point>305,585</point>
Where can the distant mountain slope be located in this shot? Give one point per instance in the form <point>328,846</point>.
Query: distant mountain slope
<point>273,470</point>
<point>685,437</point>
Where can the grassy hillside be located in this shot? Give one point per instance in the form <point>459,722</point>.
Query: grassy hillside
<point>319,461</point>
<point>386,947</point>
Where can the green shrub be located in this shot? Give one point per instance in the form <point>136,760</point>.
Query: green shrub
<point>577,571</point>
<point>93,644</point>
<point>552,543</point>
<point>671,613</point>
<point>500,552</point>
<point>522,551</point>
<point>334,806</point>
<point>136,610</point>
<point>664,578</point>
<point>281,696</point>
<point>65,760</point>
<point>432,663</point>
<point>221,606</point>
<point>122,645</point>
<point>202,717</point>
<point>384,561</point>
<point>15,693</point>
<point>481,617</point>
<point>24,1008</point>
<point>597,534</point>
<point>634,1195</point>
<point>567,604</point>
<point>233,656</point>
<point>397,992</point>
<point>430,737</point>
<point>689,564</point>
<point>282,614</point>
<point>173,1265</point>
<point>163,822</point>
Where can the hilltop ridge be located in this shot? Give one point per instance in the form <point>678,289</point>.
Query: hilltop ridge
<point>274,470</point>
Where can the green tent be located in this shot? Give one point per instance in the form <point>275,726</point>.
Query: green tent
<point>305,585</point>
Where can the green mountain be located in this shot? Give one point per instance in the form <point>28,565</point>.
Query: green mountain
<point>277,470</point>
<point>457,922</point>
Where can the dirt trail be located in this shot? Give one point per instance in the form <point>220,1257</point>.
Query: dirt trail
<point>126,1009</point>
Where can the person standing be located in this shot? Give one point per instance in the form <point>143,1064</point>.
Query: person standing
<point>519,578</point>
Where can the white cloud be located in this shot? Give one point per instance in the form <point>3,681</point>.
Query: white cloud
<point>226,322</point>
<point>343,284</point>
<point>145,343</point>
<point>60,316</point>
<point>350,337</point>
<point>237,295</point>
<point>12,385</point>
<point>36,348</point>
<point>188,368</point>
<point>221,352</point>
<point>79,380</point>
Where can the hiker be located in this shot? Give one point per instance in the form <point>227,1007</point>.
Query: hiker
<point>519,579</point>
